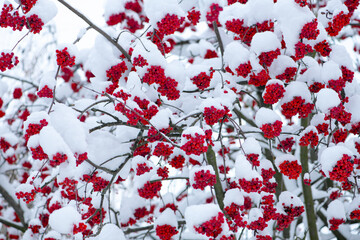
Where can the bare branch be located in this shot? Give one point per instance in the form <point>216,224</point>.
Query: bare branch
<point>96,28</point>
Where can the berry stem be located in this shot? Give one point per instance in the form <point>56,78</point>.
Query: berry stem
<point>308,198</point>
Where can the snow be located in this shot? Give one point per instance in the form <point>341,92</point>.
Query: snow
<point>340,56</point>
<point>243,169</point>
<point>110,232</point>
<point>327,99</point>
<point>46,10</point>
<point>285,157</point>
<point>279,65</point>
<point>296,89</point>
<point>155,10</point>
<point>287,198</point>
<point>233,196</point>
<point>52,142</point>
<point>352,106</point>
<point>161,119</point>
<point>264,42</point>
<point>265,116</point>
<point>251,145</point>
<point>195,215</point>
<point>330,71</point>
<point>166,217</point>
<point>63,219</point>
<point>336,210</point>
<point>235,54</point>
<point>330,156</point>
<point>255,214</point>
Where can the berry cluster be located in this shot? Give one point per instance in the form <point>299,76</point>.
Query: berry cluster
<point>259,79</point>
<point>213,227</point>
<point>243,69</point>
<point>202,80</point>
<point>38,153</point>
<point>339,114</point>
<point>310,137</point>
<point>301,49</point>
<point>64,59</point>
<point>27,197</point>
<point>35,24</point>
<point>166,231</point>
<point>213,14</point>
<point>203,179</point>
<point>193,16</point>
<point>45,92</point>
<point>335,223</point>
<point>302,3</point>
<point>169,24</point>
<point>57,159</point>
<point>168,86</point>
<point>163,172</point>
<point>323,48</point>
<point>337,23</point>
<point>288,74</point>
<point>8,61</point>
<point>194,145</point>
<point>310,30</point>
<point>177,161</point>
<point>142,168</point>
<point>98,182</point>
<point>295,106</point>
<point>253,185</point>
<point>342,170</point>
<point>163,149</point>
<point>266,58</point>
<point>291,169</point>
<point>212,115</point>
<point>273,93</point>
<point>272,130</point>
<point>339,135</point>
<point>11,18</point>
<point>150,190</point>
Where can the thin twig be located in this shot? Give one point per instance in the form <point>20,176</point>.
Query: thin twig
<point>96,28</point>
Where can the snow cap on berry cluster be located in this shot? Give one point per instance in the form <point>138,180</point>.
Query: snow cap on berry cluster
<point>340,55</point>
<point>285,157</point>
<point>251,145</point>
<point>156,10</point>
<point>352,106</point>
<point>330,71</point>
<point>334,7</point>
<point>252,12</point>
<point>265,116</point>
<point>235,54</point>
<point>327,99</point>
<point>129,205</point>
<point>289,25</point>
<point>336,210</point>
<point>296,89</point>
<point>330,156</point>
<point>62,220</point>
<point>46,10</point>
<point>111,232</point>
<point>166,217</point>
<point>195,215</point>
<point>289,199</point>
<point>113,7</point>
<point>265,42</point>
<point>280,64</point>
<point>234,195</point>
<point>244,170</point>
<point>35,118</point>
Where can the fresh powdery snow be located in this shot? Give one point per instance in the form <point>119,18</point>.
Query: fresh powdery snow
<point>336,210</point>
<point>330,156</point>
<point>63,219</point>
<point>266,115</point>
<point>327,99</point>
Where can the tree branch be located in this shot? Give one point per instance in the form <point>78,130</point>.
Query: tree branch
<point>96,28</point>
<point>13,204</point>
<point>308,198</point>
<point>12,224</point>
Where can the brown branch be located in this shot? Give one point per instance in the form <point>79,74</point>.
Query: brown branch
<point>12,224</point>
<point>13,204</point>
<point>96,28</point>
